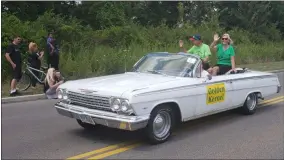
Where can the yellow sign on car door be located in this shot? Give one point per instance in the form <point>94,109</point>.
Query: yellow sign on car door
<point>216,93</point>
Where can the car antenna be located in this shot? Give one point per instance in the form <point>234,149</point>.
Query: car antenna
<point>125,64</point>
<point>125,60</point>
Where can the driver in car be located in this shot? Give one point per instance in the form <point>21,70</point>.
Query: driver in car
<point>200,49</point>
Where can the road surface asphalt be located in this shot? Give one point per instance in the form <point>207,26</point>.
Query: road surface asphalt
<point>35,130</point>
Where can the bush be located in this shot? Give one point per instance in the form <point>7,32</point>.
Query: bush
<point>86,52</point>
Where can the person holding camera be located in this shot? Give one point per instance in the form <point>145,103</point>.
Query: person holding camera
<point>34,59</point>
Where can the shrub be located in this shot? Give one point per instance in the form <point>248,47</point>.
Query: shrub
<point>86,52</point>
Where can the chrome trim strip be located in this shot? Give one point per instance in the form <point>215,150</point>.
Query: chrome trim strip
<point>207,83</point>
<point>89,95</point>
<point>279,88</point>
<point>89,100</point>
<point>101,114</point>
<point>195,68</point>
<point>210,113</point>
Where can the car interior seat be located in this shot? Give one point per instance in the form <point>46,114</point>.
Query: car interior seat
<point>238,70</point>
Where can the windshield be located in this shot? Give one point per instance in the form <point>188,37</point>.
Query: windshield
<point>168,64</point>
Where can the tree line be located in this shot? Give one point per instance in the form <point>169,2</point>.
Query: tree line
<point>260,17</point>
<point>92,33</point>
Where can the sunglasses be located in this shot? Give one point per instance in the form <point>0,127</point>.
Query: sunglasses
<point>224,38</point>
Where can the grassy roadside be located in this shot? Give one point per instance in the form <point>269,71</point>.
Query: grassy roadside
<point>259,66</point>
<point>269,66</point>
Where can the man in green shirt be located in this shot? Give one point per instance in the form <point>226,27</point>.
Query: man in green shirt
<point>199,49</point>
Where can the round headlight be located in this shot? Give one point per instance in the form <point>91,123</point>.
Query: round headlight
<point>65,96</point>
<point>60,94</point>
<point>124,106</point>
<point>116,104</point>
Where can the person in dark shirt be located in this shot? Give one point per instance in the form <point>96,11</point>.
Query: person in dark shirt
<point>14,57</point>
<point>53,52</point>
<point>49,49</point>
<point>35,58</point>
<point>54,55</point>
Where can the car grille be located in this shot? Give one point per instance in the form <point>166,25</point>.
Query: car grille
<point>89,101</point>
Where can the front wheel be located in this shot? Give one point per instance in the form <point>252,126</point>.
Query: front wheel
<point>160,124</point>
<point>24,83</point>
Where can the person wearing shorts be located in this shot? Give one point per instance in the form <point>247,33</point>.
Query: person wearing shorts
<point>51,83</point>
<point>225,55</point>
<point>200,49</point>
<point>13,56</point>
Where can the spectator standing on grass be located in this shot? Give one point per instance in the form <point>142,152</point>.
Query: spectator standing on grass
<point>14,57</point>
<point>55,56</point>
<point>200,49</point>
<point>49,48</point>
<point>53,52</point>
<point>35,58</point>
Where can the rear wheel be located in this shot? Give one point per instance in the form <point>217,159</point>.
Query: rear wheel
<point>250,104</point>
<point>160,124</point>
<point>24,83</point>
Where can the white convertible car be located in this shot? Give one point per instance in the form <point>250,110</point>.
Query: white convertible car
<point>162,90</point>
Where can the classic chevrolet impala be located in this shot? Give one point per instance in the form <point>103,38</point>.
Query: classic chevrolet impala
<point>162,90</point>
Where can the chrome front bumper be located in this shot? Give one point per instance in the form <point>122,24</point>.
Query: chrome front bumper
<point>108,119</point>
<point>279,88</point>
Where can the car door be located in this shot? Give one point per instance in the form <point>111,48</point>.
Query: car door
<point>217,95</point>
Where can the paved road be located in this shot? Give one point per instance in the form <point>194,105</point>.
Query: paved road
<point>35,130</point>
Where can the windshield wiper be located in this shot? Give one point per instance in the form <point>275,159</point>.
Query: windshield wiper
<point>156,72</point>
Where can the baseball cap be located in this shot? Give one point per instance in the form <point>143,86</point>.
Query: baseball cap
<point>195,37</point>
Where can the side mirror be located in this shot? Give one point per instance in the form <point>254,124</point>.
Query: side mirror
<point>209,77</point>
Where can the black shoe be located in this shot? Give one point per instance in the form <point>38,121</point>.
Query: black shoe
<point>13,94</point>
<point>18,93</point>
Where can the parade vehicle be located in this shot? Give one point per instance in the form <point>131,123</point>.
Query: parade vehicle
<point>162,90</point>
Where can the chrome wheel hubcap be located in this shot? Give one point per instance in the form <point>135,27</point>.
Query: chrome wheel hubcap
<point>162,124</point>
<point>251,101</point>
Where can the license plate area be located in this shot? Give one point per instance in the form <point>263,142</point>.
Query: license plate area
<point>84,118</point>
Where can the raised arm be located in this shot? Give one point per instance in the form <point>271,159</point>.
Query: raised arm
<point>213,46</point>
<point>41,54</point>
<point>181,46</point>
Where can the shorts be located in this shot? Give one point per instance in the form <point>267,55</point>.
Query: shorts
<point>205,66</point>
<point>17,72</point>
<point>223,69</point>
<point>51,93</point>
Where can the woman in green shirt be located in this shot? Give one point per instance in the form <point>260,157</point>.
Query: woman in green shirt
<point>225,55</point>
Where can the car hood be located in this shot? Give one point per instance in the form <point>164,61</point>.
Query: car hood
<point>116,85</point>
